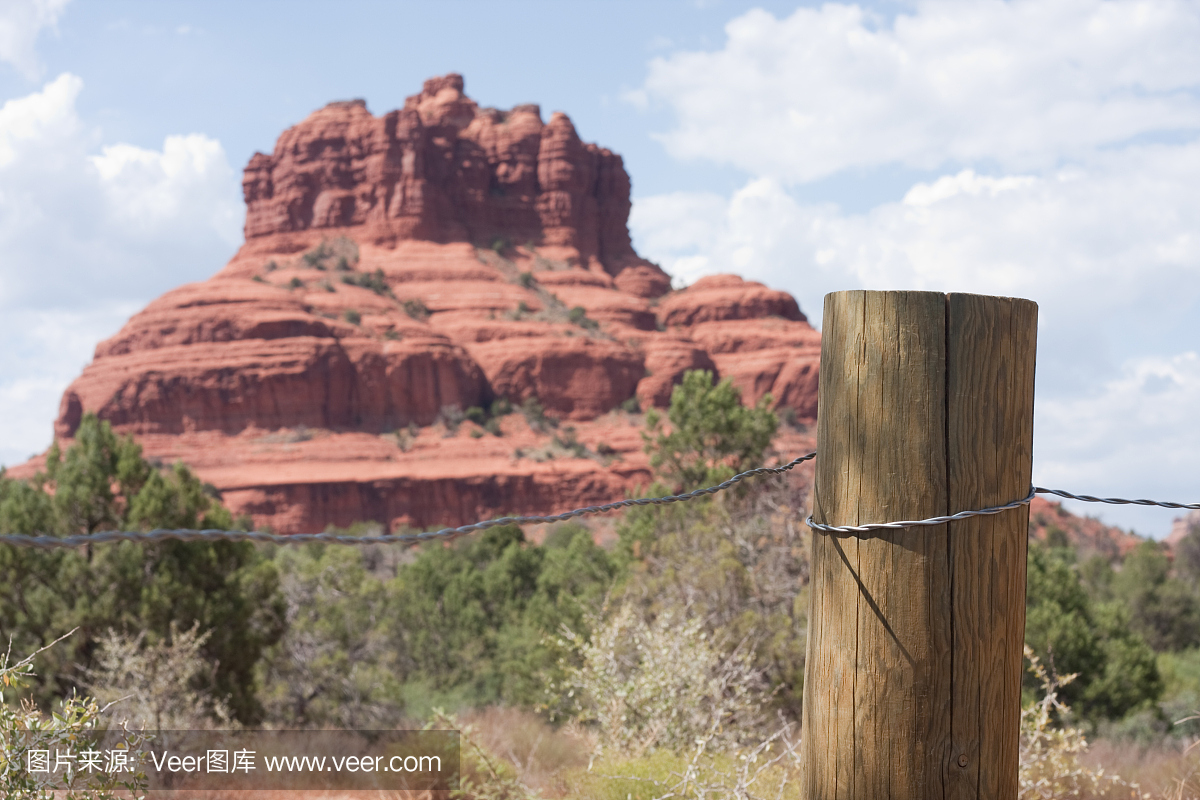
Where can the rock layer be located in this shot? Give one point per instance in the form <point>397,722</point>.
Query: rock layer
<point>443,169</point>
<point>399,270</point>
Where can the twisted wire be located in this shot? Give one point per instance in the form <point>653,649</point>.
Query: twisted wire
<point>918,523</point>
<point>1117,501</point>
<point>162,534</point>
<point>892,526</point>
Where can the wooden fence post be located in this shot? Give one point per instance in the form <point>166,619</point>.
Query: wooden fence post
<point>912,682</point>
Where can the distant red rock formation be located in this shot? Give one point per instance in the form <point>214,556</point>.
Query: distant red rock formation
<point>1181,527</point>
<point>442,169</point>
<point>395,268</point>
<point>1049,522</point>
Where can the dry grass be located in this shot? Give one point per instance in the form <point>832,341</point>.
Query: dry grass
<point>1051,755</point>
<point>186,794</point>
<point>540,756</point>
<point>510,754</point>
<point>1166,771</point>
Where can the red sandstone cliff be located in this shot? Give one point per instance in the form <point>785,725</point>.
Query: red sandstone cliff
<point>438,257</point>
<point>441,169</point>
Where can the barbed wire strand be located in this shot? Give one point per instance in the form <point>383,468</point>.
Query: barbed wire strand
<point>162,534</point>
<point>1116,500</point>
<point>919,523</point>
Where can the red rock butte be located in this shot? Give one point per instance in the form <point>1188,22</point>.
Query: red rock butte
<point>401,269</point>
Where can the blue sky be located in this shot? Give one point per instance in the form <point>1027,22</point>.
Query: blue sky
<point>1041,149</point>
<point>242,72</point>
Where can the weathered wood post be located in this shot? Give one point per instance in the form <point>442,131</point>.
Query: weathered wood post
<point>912,683</point>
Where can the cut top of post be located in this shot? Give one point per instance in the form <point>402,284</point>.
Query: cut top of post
<point>928,399</point>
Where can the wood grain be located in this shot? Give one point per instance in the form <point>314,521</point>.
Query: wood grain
<point>914,647</point>
<point>991,355</point>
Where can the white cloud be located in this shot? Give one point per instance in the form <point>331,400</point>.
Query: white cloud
<point>44,350</point>
<point>190,178</point>
<point>78,226</point>
<point>1109,250</point>
<point>1151,404</point>
<point>90,232</point>
<point>44,121</point>
<point>684,229</point>
<point>1021,83</point>
<point>1062,139</point>
<point>964,183</point>
<point>20,23</point>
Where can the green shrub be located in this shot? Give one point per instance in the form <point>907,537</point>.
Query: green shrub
<point>295,283</point>
<point>68,730</point>
<point>374,281</point>
<point>738,565</point>
<point>662,684</point>
<point>1180,671</point>
<point>1116,671</point>
<point>416,309</point>
<point>314,258</point>
<point>352,316</point>
<point>578,316</point>
<point>102,482</point>
<point>1163,609</point>
<point>535,415</point>
<point>391,335</point>
<point>500,407</point>
<point>474,619</point>
<point>525,279</point>
<point>344,250</point>
<point>567,439</point>
<point>154,683</point>
<point>335,666</point>
<point>711,434</point>
<point>347,248</point>
<point>451,416</point>
<point>476,414</point>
